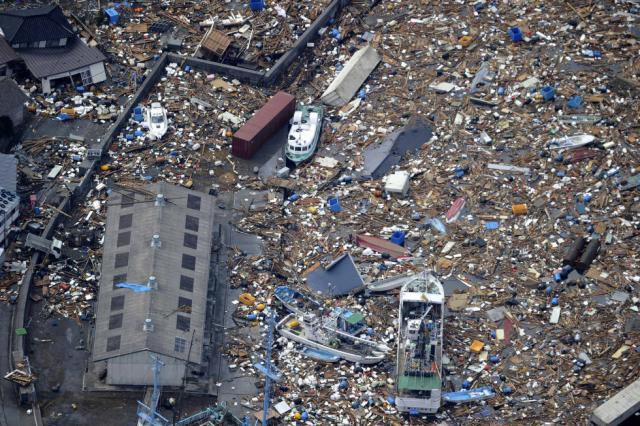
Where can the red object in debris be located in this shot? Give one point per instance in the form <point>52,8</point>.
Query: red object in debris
<point>64,286</point>
<point>382,246</point>
<point>580,154</point>
<point>455,209</point>
<point>33,200</point>
<point>264,124</point>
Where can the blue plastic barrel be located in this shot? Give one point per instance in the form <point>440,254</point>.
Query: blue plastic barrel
<point>548,94</point>
<point>516,34</point>
<point>138,133</point>
<point>334,204</point>
<point>397,237</point>
<point>294,197</point>
<point>256,5</point>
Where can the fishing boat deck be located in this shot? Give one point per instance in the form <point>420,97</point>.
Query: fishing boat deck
<point>419,383</point>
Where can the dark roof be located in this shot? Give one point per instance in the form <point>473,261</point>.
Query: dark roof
<point>338,278</point>
<point>11,96</point>
<point>6,52</point>
<point>181,265</point>
<point>54,60</point>
<point>36,24</point>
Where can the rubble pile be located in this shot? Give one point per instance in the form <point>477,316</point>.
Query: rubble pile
<point>495,142</point>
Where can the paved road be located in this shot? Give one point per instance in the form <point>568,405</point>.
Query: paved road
<point>10,413</point>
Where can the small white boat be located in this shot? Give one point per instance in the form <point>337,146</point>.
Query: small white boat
<point>306,125</point>
<point>569,142</point>
<point>156,120</point>
<point>388,284</point>
<point>311,333</point>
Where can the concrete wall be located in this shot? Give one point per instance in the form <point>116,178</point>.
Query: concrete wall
<point>136,369</point>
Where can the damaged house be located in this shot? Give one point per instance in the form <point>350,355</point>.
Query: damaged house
<point>45,42</point>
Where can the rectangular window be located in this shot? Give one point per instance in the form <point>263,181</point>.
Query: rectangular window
<point>122,260</point>
<point>183,323</point>
<point>115,321</point>
<point>191,241</point>
<point>117,279</point>
<point>180,345</point>
<point>113,343</point>
<point>193,202</point>
<point>125,221</point>
<point>117,303</point>
<point>124,239</point>
<point>127,200</point>
<point>186,283</point>
<point>184,304</point>
<point>188,262</point>
<point>192,223</point>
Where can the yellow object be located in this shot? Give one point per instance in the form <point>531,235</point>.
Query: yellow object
<point>247,299</point>
<point>465,41</point>
<point>476,346</point>
<point>297,416</point>
<point>519,209</point>
<point>260,307</point>
<point>293,323</point>
<point>69,111</point>
<point>104,167</point>
<point>312,210</point>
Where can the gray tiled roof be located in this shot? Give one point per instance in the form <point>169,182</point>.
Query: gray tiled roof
<point>165,263</point>
<point>57,60</point>
<point>35,24</point>
<point>6,52</point>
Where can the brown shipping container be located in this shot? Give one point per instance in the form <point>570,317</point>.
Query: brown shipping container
<point>264,124</point>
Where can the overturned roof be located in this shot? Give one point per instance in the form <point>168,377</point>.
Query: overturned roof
<point>35,24</point>
<point>354,73</point>
<point>338,278</point>
<point>51,61</point>
<point>379,158</point>
<point>176,304</point>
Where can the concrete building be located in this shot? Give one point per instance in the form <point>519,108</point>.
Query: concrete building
<point>154,283</point>
<point>9,200</point>
<point>43,38</point>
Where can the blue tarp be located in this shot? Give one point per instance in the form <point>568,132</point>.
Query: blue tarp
<point>113,16</point>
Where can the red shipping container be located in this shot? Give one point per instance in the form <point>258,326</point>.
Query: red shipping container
<point>263,125</point>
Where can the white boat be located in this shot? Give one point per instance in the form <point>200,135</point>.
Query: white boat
<point>419,362</point>
<point>568,142</point>
<point>304,134</point>
<point>156,120</point>
<point>387,284</point>
<point>310,332</point>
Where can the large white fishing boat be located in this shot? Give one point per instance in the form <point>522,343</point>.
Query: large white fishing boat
<point>419,364</point>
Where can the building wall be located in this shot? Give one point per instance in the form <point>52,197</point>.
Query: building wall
<point>98,75</point>
<point>136,370</point>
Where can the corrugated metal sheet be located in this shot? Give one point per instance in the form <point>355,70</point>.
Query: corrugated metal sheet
<point>6,52</point>
<point>264,124</point>
<point>354,73</point>
<point>165,263</point>
<point>135,370</point>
